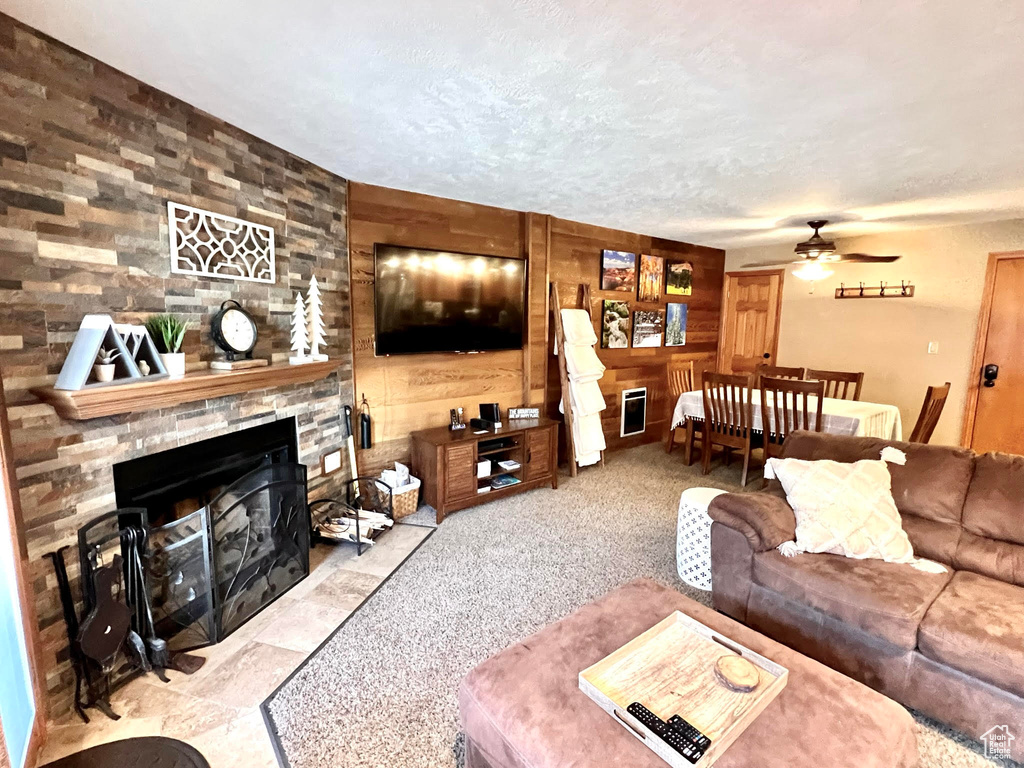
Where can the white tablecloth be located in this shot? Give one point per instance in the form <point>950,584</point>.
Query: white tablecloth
<point>840,417</point>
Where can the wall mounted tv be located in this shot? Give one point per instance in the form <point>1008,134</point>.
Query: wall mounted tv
<point>439,301</point>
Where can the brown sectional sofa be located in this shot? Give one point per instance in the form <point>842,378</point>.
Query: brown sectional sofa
<point>950,645</point>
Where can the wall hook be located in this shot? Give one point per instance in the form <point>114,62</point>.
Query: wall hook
<point>882,285</point>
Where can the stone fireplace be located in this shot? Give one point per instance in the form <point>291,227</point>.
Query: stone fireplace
<point>229,530</point>
<point>99,155</point>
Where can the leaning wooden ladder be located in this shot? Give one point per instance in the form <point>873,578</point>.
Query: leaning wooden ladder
<point>583,297</point>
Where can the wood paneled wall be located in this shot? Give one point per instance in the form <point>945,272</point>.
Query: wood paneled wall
<point>575,257</point>
<point>411,392</point>
<point>407,393</point>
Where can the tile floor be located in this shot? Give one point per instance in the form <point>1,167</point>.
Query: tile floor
<point>216,710</point>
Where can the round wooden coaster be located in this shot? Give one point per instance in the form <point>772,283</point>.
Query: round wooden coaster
<point>737,674</point>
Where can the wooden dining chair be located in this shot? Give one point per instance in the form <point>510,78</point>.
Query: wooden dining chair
<point>728,418</point>
<point>680,379</point>
<point>790,408</point>
<point>934,402</point>
<point>777,372</point>
<point>842,385</point>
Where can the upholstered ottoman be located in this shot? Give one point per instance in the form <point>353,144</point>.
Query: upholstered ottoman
<point>523,708</point>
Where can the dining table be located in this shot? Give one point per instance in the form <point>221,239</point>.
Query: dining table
<point>839,417</point>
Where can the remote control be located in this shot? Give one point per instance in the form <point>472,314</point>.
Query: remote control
<point>677,723</point>
<point>677,733</point>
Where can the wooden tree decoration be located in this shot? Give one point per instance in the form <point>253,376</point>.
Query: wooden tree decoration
<point>300,343</point>
<point>316,321</point>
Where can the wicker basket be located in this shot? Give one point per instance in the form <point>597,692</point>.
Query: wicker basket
<point>406,499</point>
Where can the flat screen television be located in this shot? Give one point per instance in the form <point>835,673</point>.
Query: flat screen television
<point>440,301</point>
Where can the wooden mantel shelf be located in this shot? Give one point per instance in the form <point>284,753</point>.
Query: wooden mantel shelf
<point>202,385</point>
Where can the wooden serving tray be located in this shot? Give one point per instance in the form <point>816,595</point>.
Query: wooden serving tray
<point>670,669</point>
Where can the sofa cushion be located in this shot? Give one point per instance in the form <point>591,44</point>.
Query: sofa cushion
<point>994,508</point>
<point>933,484</point>
<point>977,626</point>
<point>990,557</point>
<point>886,600</point>
<point>931,539</point>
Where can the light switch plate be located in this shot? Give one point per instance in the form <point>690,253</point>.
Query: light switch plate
<point>332,462</point>
<point>933,347</point>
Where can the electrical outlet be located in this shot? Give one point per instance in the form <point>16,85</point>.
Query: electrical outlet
<point>332,462</point>
<point>933,347</point>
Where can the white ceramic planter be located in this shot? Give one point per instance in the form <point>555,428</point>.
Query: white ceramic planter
<point>104,373</point>
<point>174,362</point>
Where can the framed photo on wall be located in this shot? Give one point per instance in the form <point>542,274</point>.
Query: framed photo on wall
<point>675,324</point>
<point>652,271</point>
<point>618,271</point>
<point>648,327</point>
<point>615,324</point>
<point>679,278</point>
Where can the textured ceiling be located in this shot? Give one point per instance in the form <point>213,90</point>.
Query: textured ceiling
<point>717,122</point>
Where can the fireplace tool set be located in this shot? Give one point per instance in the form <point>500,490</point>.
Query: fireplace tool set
<point>114,638</point>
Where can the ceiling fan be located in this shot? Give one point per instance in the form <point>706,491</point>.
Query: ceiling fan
<point>815,252</point>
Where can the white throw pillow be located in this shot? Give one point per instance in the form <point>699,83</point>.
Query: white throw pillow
<point>844,508</point>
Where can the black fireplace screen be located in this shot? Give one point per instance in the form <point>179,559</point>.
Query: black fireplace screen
<point>229,528</point>
<point>260,541</point>
<point>179,562</point>
<point>214,569</point>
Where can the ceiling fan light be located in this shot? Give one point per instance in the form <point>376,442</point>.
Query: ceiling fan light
<point>812,270</point>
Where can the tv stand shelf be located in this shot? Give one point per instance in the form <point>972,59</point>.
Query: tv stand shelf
<point>445,462</point>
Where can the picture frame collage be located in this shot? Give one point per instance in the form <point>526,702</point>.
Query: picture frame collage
<point>649,279</point>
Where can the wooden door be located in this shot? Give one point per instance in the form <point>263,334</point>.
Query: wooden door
<point>995,414</point>
<point>459,472</point>
<point>752,308</point>
<point>539,449</point>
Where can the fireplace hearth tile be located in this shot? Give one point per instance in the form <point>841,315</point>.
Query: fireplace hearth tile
<point>380,561</point>
<point>252,675</point>
<point>243,743</point>
<point>303,626</point>
<point>344,589</point>
<point>62,741</point>
<point>216,710</point>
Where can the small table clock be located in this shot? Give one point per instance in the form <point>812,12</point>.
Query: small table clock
<point>234,331</point>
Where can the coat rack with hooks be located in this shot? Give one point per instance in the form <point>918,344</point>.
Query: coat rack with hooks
<point>883,290</point>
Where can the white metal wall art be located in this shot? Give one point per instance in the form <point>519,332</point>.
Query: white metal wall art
<point>212,245</point>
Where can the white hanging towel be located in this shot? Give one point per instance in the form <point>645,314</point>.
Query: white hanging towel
<point>588,438</point>
<point>586,399</point>
<point>578,328</point>
<point>583,364</point>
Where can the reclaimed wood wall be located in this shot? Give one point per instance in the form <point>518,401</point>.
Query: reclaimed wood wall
<point>408,393</point>
<point>90,157</point>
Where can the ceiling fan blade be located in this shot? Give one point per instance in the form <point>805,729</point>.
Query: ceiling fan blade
<point>772,263</point>
<point>867,258</point>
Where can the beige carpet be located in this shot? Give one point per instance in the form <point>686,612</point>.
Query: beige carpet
<point>382,691</point>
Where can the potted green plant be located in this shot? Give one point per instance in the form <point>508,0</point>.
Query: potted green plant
<point>168,332</point>
<point>104,367</point>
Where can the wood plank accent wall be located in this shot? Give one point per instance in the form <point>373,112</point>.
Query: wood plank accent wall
<point>575,257</point>
<point>407,393</point>
<point>90,157</point>
<point>411,392</point>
